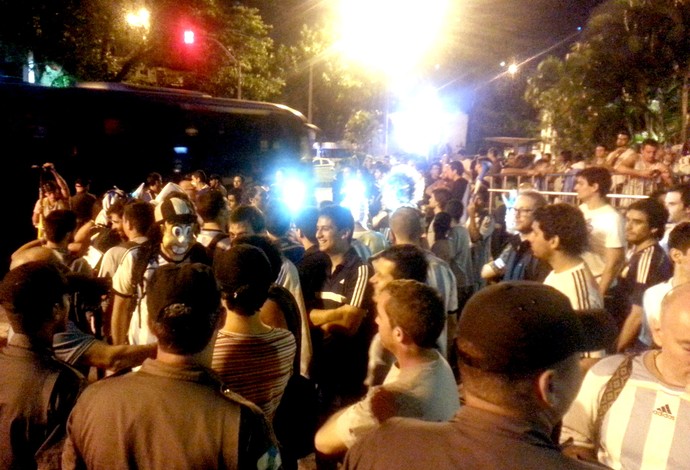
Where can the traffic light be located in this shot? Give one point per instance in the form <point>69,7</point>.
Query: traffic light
<point>188,36</point>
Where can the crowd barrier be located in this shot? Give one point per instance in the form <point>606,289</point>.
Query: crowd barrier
<point>551,186</point>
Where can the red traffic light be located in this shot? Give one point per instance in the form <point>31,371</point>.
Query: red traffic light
<point>188,36</point>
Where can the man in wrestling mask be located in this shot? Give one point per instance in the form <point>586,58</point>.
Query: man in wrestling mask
<point>172,241</point>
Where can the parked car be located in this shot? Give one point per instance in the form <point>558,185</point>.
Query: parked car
<point>324,170</point>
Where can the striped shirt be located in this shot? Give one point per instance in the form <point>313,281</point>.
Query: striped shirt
<point>347,285</point>
<point>256,366</point>
<point>645,268</point>
<point>578,285</point>
<point>645,428</point>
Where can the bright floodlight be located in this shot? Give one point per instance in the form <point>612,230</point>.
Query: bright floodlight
<point>390,35</point>
<point>512,69</point>
<point>139,19</point>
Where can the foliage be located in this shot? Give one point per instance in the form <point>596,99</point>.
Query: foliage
<point>364,130</point>
<point>93,42</point>
<point>339,89</point>
<point>626,72</point>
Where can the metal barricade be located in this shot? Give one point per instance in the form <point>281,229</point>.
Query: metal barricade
<point>633,188</point>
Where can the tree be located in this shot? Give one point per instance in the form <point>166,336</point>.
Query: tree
<point>364,130</point>
<point>626,72</point>
<point>92,41</point>
<point>339,88</point>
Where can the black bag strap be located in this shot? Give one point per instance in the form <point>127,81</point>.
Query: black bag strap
<point>211,248</point>
<point>612,390</point>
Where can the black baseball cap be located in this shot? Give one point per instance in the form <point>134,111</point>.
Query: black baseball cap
<point>243,265</point>
<point>189,284</point>
<point>521,327</point>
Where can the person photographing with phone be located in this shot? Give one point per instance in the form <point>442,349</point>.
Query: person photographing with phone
<point>53,194</point>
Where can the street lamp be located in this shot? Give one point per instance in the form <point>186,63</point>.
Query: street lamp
<point>392,37</point>
<point>139,19</point>
<point>232,58</point>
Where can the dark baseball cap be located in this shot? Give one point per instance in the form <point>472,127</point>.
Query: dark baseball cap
<point>521,327</point>
<point>243,266</point>
<point>190,284</point>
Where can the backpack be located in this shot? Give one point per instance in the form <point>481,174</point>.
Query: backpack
<point>212,246</point>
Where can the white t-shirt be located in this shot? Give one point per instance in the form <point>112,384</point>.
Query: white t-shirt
<point>426,392</point>
<point>607,230</point>
<point>578,285</point>
<point>124,284</point>
<point>651,305</point>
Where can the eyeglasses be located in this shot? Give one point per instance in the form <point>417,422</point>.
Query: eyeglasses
<point>523,211</point>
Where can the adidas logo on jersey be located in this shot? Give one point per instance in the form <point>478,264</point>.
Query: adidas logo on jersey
<point>664,412</point>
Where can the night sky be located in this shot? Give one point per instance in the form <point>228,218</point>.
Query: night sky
<point>486,32</point>
<point>517,29</point>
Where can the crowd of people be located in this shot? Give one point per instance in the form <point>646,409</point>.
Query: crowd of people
<point>446,316</point>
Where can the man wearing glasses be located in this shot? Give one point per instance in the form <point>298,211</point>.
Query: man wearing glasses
<point>517,261</point>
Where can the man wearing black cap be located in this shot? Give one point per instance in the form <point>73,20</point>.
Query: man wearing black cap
<point>518,347</point>
<point>175,412</point>
<point>37,391</point>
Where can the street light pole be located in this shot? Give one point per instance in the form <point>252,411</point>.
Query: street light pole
<point>230,55</point>
<point>310,94</point>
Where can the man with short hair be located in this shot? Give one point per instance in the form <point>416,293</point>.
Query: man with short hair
<point>677,202</point>
<point>72,345</point>
<point>249,220</point>
<point>59,227</point>
<point>246,220</point>
<point>437,203</point>
<point>397,262</point>
<point>214,213</point>
<point>599,158</point>
<point>178,397</point>
<point>37,391</point>
<point>406,229</point>
<point>559,237</point>
<point>342,326</point>
<point>152,187</point>
<point>278,221</point>
<point>631,411</point>
<point>200,182</point>
<point>647,265</point>
<point>454,173</point>
<point>622,160</point>
<point>410,316</point>
<point>606,253</point>
<point>517,261</point>
<point>135,221</point>
<point>679,254</point>
<point>83,203</point>
<point>518,348</point>
<point>215,182</point>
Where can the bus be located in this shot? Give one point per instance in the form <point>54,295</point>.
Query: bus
<point>115,134</point>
